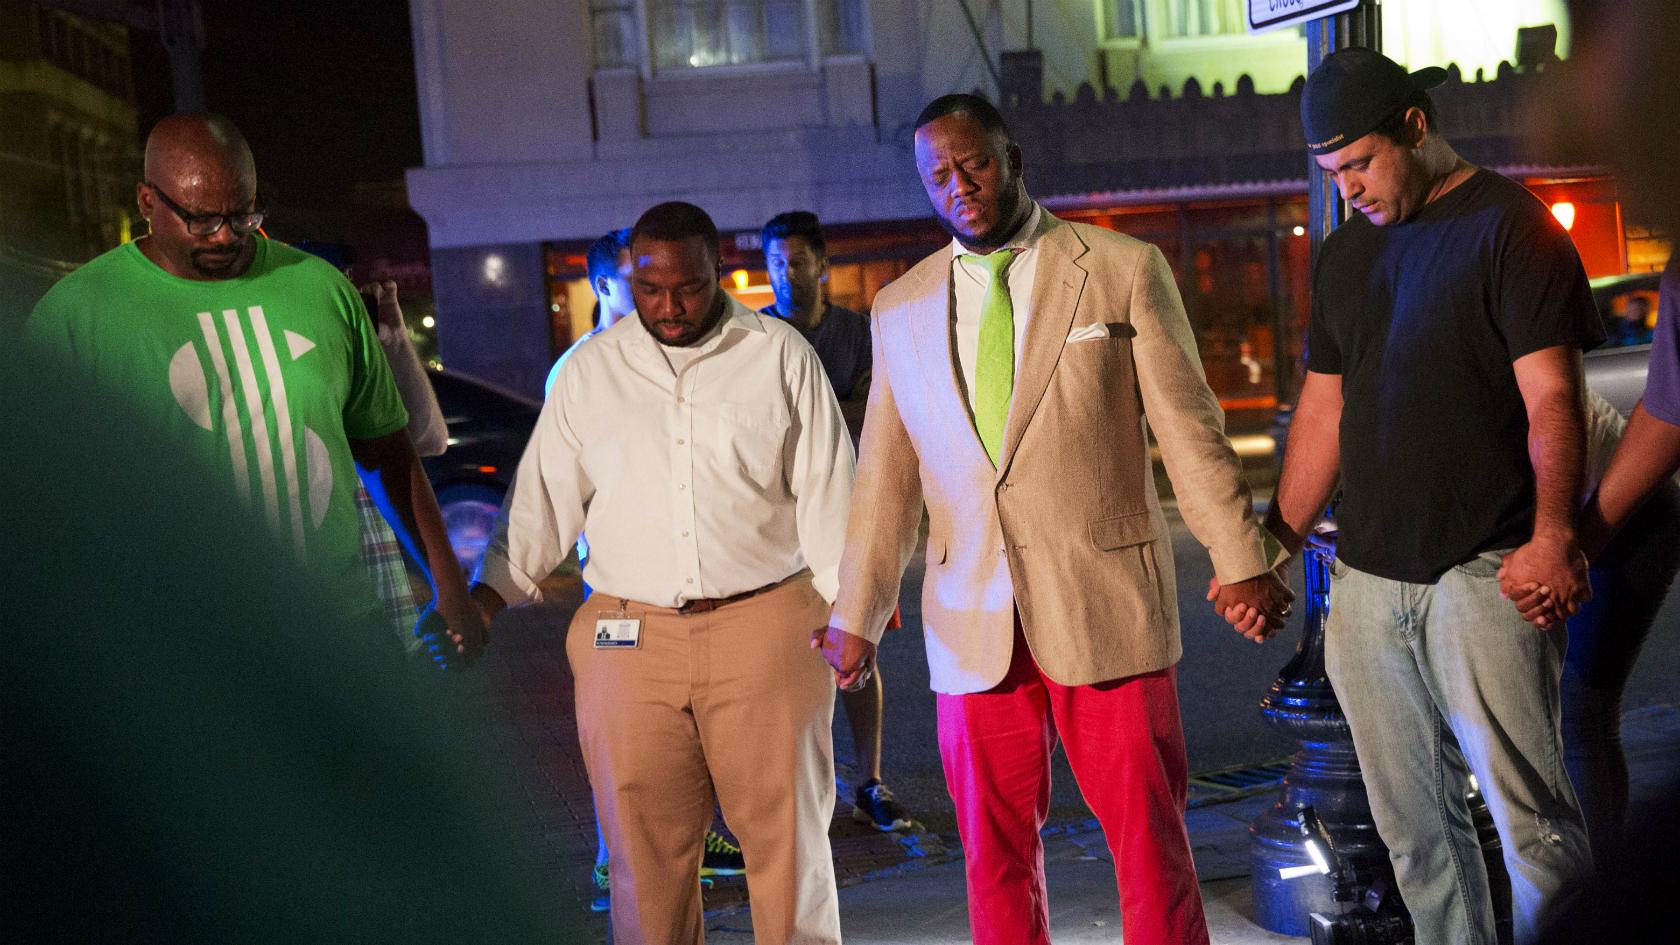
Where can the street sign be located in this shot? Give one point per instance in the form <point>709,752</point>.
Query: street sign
<point>1271,14</point>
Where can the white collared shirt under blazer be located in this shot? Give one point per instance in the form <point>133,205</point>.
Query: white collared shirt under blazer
<point>730,474</point>
<point>1067,528</point>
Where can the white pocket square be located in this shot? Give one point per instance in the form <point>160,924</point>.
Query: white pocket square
<point>1097,330</point>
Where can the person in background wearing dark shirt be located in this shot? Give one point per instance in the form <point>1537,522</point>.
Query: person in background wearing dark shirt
<point>1630,531</point>
<point>1649,453</point>
<point>797,259</point>
<point>1444,390</point>
<point>1614,105</point>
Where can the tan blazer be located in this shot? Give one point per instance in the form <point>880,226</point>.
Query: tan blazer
<point>1067,529</point>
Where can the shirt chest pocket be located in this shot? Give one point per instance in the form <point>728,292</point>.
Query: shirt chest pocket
<point>747,439</point>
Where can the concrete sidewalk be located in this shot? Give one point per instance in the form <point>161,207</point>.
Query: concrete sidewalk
<point>926,905</point>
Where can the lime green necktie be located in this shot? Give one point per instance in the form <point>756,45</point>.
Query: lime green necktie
<point>994,361</point>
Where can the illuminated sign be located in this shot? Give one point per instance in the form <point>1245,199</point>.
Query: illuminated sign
<point>1271,14</point>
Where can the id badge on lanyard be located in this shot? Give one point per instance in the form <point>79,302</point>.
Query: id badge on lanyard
<point>618,629</point>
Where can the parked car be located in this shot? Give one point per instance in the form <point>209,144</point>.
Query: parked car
<point>1628,305</point>
<point>488,429</point>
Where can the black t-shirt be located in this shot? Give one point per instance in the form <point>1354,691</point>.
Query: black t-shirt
<point>842,343</point>
<point>1423,320</point>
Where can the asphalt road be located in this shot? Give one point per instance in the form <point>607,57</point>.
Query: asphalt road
<point>1221,680</point>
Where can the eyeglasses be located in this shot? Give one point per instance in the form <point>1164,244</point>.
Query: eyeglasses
<point>208,224</point>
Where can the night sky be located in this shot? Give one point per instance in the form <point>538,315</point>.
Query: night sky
<point>324,90</point>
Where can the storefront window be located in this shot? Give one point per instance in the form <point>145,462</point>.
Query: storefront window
<point>841,25</point>
<point>1189,18</point>
<point>1241,269</point>
<point>697,34</point>
<point>1122,19</point>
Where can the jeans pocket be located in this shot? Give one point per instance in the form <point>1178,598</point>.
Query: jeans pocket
<point>1484,565</point>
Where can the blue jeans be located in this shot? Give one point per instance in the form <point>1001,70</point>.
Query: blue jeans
<point>1441,681</point>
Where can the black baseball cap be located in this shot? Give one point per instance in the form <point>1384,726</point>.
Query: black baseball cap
<point>1353,91</point>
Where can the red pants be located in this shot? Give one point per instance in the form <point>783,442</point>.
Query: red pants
<point>1125,743</point>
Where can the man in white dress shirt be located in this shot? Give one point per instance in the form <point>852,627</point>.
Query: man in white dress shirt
<point>701,447</point>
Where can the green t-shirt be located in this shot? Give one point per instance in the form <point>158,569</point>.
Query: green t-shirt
<point>263,380</point>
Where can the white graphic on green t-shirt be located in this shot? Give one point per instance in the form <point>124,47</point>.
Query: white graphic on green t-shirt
<point>241,384</point>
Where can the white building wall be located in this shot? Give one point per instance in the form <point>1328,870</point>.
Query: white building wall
<point>512,152</point>
<point>526,142</point>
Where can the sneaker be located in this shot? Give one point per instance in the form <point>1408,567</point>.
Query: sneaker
<point>874,805</point>
<point>722,857</point>
<point>603,888</point>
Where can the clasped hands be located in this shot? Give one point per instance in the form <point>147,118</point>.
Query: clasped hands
<point>1546,580</point>
<point>851,656</point>
<point>455,640</point>
<point>1256,607</point>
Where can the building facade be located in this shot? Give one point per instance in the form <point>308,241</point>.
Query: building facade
<point>69,151</point>
<point>549,122</point>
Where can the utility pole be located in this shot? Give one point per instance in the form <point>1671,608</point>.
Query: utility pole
<point>182,31</point>
<point>1360,26</point>
<point>980,42</point>
<point>1324,774</point>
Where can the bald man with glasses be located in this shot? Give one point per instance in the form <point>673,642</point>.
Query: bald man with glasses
<point>254,361</point>
<point>209,224</point>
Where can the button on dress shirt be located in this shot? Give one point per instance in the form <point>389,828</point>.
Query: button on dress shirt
<point>968,288</point>
<point>728,472</point>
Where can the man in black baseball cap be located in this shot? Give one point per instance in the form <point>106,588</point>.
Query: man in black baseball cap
<point>1358,114</point>
<point>1353,91</point>
<point>1444,394</point>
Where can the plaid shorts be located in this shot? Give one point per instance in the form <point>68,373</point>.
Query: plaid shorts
<point>383,555</point>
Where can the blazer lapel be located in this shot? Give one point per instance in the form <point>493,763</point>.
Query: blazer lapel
<point>1057,287</point>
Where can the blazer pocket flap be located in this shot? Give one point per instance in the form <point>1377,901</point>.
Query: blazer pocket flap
<point>1133,528</point>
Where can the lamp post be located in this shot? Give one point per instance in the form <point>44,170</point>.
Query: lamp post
<point>1323,775</point>
<point>1325,771</point>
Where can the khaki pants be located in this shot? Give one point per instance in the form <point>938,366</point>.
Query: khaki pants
<point>730,705</point>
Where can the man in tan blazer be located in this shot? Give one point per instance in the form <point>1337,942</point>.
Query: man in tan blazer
<point>1014,371</point>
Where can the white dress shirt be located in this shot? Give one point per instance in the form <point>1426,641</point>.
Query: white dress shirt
<point>729,474</point>
<point>969,280</point>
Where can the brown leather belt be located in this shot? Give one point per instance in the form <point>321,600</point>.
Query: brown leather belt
<point>704,605</point>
